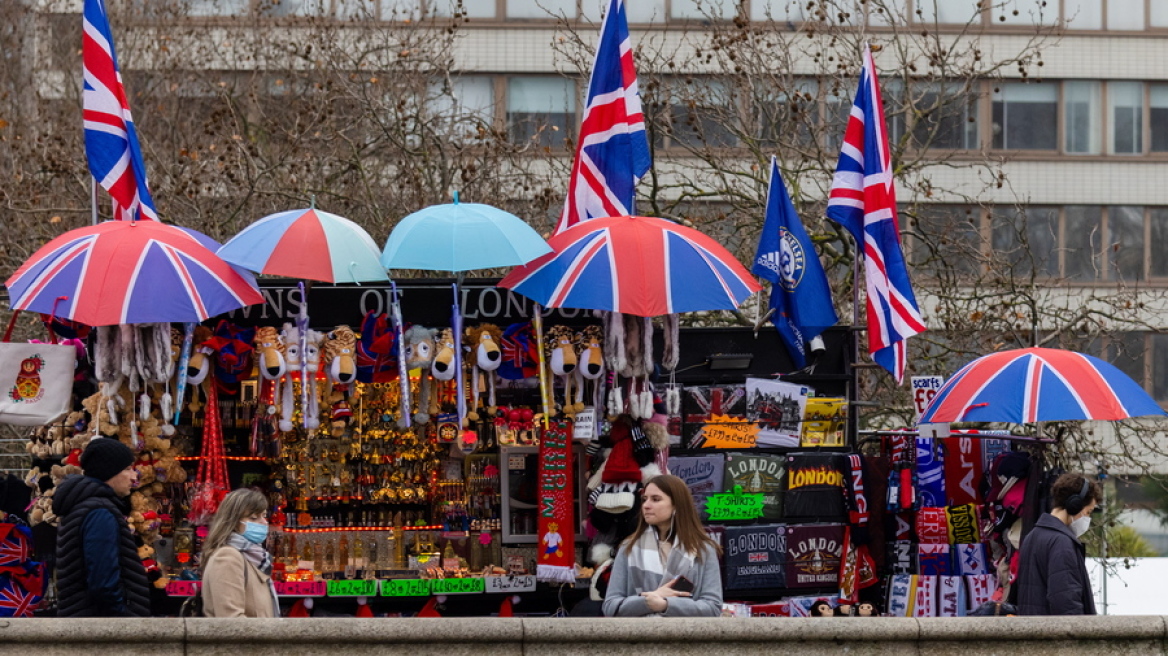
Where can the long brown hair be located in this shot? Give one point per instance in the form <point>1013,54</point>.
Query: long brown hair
<point>241,503</point>
<point>686,525</point>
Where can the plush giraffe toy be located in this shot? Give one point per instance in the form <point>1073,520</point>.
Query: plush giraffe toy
<point>558,342</point>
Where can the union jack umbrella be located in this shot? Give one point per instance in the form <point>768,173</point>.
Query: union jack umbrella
<point>1039,384</point>
<point>635,265</point>
<point>308,244</point>
<point>128,272</point>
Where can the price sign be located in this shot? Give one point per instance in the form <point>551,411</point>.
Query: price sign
<point>405,588</point>
<point>924,388</point>
<point>524,583</point>
<point>735,505</point>
<point>301,588</point>
<point>584,428</point>
<point>183,588</point>
<point>725,432</point>
<point>457,586</point>
<point>352,588</point>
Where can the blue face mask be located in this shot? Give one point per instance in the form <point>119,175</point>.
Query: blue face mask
<point>255,532</point>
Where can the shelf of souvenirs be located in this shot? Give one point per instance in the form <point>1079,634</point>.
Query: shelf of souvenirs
<point>404,583</point>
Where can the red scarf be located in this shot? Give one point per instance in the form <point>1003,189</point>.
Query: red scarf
<point>556,555</point>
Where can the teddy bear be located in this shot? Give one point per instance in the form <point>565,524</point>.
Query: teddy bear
<point>144,514</point>
<point>153,571</point>
<point>42,510</point>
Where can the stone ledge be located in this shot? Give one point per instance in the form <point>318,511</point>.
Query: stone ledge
<point>1097,636</point>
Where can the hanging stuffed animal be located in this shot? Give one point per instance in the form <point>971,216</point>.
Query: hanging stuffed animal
<point>419,354</point>
<point>487,357</point>
<point>589,346</point>
<point>290,339</point>
<point>340,351</point>
<point>445,367</point>
<point>313,339</point>
<point>561,355</point>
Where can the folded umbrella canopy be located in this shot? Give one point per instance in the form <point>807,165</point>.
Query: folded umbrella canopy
<point>1039,384</point>
<point>635,265</point>
<point>129,272</point>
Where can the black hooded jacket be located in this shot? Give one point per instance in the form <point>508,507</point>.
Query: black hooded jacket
<point>1052,574</point>
<point>99,573</point>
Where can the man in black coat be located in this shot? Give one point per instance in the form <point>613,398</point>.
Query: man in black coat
<point>1052,574</point>
<point>99,573</point>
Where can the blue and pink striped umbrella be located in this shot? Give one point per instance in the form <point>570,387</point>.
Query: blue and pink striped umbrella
<point>1039,384</point>
<point>308,244</point>
<point>636,265</point>
<point>128,272</point>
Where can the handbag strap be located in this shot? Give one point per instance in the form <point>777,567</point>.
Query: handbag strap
<point>48,326</point>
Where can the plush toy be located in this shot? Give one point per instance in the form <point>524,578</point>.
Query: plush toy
<point>487,357</point>
<point>822,608</point>
<point>340,355</point>
<point>560,350</point>
<point>296,361</point>
<point>143,518</point>
<point>419,354</point>
<point>42,510</point>
<point>589,347</point>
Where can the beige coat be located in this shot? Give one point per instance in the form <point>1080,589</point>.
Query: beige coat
<point>233,587</point>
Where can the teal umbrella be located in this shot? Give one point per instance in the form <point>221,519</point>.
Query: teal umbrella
<point>461,237</point>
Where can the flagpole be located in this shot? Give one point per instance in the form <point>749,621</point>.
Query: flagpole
<point>92,200</point>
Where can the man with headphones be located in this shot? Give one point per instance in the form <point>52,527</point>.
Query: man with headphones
<point>1052,575</point>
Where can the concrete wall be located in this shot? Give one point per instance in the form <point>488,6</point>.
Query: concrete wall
<point>1097,636</point>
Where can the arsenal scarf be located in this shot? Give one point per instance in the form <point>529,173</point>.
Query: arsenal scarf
<point>556,560</point>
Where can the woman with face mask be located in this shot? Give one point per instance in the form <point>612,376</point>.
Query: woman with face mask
<point>1052,573</point>
<point>669,565</point>
<point>237,570</point>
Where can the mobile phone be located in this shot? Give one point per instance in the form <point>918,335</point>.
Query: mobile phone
<point>683,584</point>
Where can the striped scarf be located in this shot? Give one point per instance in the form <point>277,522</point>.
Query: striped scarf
<point>647,572</point>
<point>254,553</point>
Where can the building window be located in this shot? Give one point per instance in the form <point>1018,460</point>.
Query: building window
<point>642,11</point>
<point>293,7</point>
<point>1126,351</point>
<point>541,110</point>
<point>217,7</point>
<point>1083,14</point>
<point>1024,12</point>
<point>1159,367</point>
<point>789,115</point>
<point>1159,15</point>
<point>472,9</point>
<point>716,9</point>
<point>780,11</point>
<point>1125,14</point>
<point>1082,237</point>
<point>465,106</point>
<point>693,113</point>
<point>545,9</point>
<point>943,116</point>
<point>1158,238</point>
<point>1125,234</point>
<point>1025,116</point>
<point>1081,102</point>
<point>1158,117</point>
<point>945,238</point>
<point>1125,107</point>
<point>1026,240</point>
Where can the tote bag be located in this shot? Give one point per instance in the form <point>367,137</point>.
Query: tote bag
<point>36,382</point>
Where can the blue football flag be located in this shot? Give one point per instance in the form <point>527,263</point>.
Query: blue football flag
<point>800,294</point>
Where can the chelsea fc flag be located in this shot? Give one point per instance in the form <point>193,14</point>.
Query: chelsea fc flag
<point>800,295</point>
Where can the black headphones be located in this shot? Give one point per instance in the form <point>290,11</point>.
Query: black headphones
<point>1077,502</point>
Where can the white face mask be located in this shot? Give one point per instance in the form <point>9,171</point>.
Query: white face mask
<point>1080,525</point>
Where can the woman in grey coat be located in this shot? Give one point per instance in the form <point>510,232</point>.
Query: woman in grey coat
<point>669,565</point>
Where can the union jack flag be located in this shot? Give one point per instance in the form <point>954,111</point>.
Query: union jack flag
<point>863,200</point>
<point>111,143</point>
<point>16,602</point>
<point>15,549</point>
<point>613,152</point>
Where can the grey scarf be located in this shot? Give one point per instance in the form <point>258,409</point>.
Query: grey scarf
<point>254,553</point>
